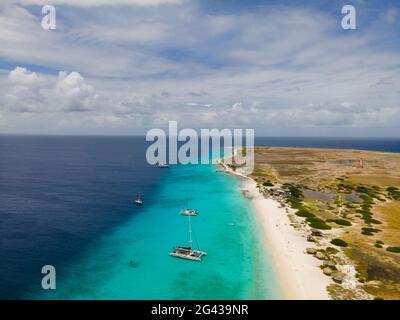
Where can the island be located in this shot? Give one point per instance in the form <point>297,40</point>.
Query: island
<point>331,219</point>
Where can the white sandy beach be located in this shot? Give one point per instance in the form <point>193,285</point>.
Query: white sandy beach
<point>300,275</point>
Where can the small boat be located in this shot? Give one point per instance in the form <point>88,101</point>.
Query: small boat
<point>163,165</point>
<point>189,212</point>
<point>138,200</point>
<point>188,253</point>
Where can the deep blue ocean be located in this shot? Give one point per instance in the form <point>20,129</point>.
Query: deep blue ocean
<point>65,201</point>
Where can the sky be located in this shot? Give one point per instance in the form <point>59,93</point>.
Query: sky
<point>122,67</point>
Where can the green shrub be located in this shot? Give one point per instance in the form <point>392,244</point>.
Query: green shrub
<point>295,203</point>
<point>304,213</point>
<point>372,230</point>
<point>339,242</point>
<point>377,245</point>
<point>372,221</point>
<point>394,193</point>
<point>340,222</point>
<point>295,191</point>
<point>367,195</point>
<point>268,184</point>
<point>345,187</point>
<point>368,192</point>
<point>314,219</point>
<point>367,233</point>
<point>379,242</point>
<point>320,225</point>
<point>331,250</point>
<point>393,249</point>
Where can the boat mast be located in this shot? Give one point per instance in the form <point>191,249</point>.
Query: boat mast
<point>190,233</point>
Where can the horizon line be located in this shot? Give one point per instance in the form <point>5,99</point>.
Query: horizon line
<point>143,136</point>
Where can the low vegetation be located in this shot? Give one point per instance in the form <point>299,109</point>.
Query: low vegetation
<point>339,242</point>
<point>268,183</point>
<point>362,202</point>
<point>296,201</point>
<point>368,195</point>
<point>393,249</point>
<point>378,244</point>
<point>341,222</point>
<point>394,193</point>
<point>369,231</point>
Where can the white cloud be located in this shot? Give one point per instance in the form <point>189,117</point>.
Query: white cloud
<point>97,3</point>
<point>138,68</point>
<point>22,76</point>
<point>28,93</point>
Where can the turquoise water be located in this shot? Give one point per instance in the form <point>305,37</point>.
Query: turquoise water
<point>64,202</point>
<point>237,266</point>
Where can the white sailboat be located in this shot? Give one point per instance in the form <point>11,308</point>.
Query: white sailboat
<point>188,252</point>
<point>138,200</point>
<point>163,165</point>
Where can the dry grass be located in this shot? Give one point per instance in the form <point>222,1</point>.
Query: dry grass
<point>326,170</point>
<point>377,180</point>
<point>319,167</point>
<point>389,214</point>
<point>379,270</point>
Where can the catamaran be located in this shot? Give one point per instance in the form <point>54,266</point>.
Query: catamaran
<point>138,200</point>
<point>188,252</point>
<point>189,212</point>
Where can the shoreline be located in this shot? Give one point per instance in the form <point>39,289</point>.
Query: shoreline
<point>300,276</point>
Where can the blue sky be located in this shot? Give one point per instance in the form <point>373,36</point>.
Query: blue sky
<point>125,66</point>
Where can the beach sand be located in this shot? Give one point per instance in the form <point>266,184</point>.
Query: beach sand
<point>299,273</point>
